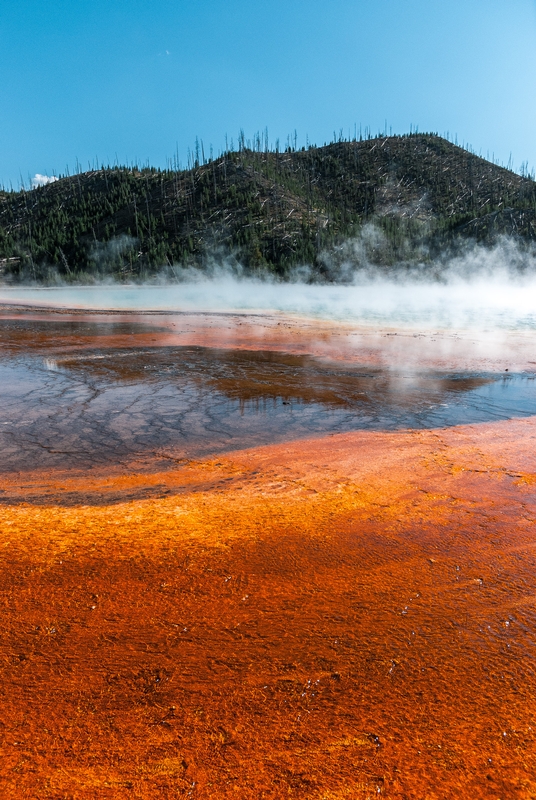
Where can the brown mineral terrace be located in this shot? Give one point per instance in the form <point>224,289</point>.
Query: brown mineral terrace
<point>348,616</point>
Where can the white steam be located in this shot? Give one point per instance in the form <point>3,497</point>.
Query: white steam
<point>484,288</point>
<point>105,253</point>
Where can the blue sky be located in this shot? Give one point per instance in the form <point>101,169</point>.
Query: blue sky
<point>133,80</point>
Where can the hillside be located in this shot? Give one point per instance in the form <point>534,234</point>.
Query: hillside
<point>268,211</point>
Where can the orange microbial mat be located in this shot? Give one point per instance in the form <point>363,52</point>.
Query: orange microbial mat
<point>341,615</point>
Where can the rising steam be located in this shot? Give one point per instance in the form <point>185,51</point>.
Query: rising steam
<point>478,288</point>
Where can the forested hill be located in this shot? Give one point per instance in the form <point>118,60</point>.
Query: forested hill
<point>401,199</point>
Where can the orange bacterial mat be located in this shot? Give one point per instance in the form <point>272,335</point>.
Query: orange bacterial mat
<point>351,616</point>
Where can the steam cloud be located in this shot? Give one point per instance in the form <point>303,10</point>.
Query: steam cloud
<point>106,254</point>
<point>480,288</point>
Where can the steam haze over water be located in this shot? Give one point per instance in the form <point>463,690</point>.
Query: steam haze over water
<point>483,303</point>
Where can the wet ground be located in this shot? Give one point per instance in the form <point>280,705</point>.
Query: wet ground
<point>345,615</point>
<point>72,399</point>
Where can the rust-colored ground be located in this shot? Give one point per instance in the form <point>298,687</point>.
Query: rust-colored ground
<point>349,617</point>
<point>340,618</point>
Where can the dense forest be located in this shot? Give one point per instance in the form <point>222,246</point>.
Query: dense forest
<point>392,201</point>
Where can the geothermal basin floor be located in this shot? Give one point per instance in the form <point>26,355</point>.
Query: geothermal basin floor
<point>346,616</point>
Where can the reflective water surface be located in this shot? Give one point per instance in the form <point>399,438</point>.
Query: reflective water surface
<point>64,405</point>
<point>491,300</point>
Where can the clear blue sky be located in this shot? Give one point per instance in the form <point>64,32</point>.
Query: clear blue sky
<point>134,79</point>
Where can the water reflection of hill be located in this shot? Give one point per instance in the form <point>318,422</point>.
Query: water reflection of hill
<point>253,376</point>
<point>81,392</point>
